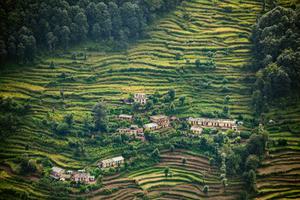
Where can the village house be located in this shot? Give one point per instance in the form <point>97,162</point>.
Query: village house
<point>196,129</point>
<point>140,136</point>
<point>162,120</point>
<point>79,177</point>
<point>151,126</point>
<point>173,119</point>
<point>140,98</point>
<point>82,177</point>
<point>57,173</point>
<point>134,130</point>
<point>125,117</point>
<point>223,124</point>
<point>112,162</point>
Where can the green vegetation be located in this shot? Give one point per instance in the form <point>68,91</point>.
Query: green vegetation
<point>192,62</point>
<point>27,28</point>
<point>276,48</point>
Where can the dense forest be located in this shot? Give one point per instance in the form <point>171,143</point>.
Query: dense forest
<point>33,25</point>
<point>276,38</point>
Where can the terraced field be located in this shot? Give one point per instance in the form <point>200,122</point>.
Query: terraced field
<point>187,181</point>
<point>146,67</point>
<point>196,28</point>
<point>279,177</point>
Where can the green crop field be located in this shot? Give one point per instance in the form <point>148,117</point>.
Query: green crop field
<point>279,175</point>
<point>194,29</point>
<point>186,181</point>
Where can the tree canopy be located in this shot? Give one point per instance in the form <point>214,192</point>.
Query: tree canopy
<point>27,26</point>
<point>276,37</point>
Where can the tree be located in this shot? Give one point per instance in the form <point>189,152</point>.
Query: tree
<point>275,49</point>
<point>62,128</point>
<point>132,18</point>
<point>51,41</point>
<point>91,13</point>
<point>102,17</point>
<point>96,31</point>
<point>21,52</point>
<point>233,163</point>
<point>26,165</point>
<point>198,63</point>
<point>100,113</point>
<point>250,179</point>
<point>182,100</point>
<point>172,94</point>
<point>52,66</point>
<point>256,144</point>
<point>65,36</point>
<point>116,20</point>
<point>178,56</point>
<point>166,171</point>
<point>87,123</point>
<point>149,105</point>
<point>226,99</point>
<point>155,154</point>
<point>243,196</point>
<point>79,27</point>
<point>205,189</point>
<point>3,52</point>
<point>171,108</point>
<point>136,106</point>
<point>12,48</point>
<point>172,148</point>
<point>69,119</point>
<point>252,162</point>
<point>224,182</point>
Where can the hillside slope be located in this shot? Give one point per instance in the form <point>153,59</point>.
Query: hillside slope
<point>279,175</point>
<point>192,31</point>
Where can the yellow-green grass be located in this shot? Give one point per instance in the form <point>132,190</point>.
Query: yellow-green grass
<point>147,66</point>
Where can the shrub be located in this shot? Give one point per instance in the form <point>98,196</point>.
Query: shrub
<point>227,9</point>
<point>252,162</point>
<point>282,142</point>
<point>178,56</point>
<point>245,134</point>
<point>206,189</point>
<point>62,128</point>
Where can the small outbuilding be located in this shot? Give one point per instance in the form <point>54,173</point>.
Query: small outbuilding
<point>112,162</point>
<point>57,173</point>
<point>162,120</point>
<point>140,98</point>
<point>125,117</point>
<point>151,126</point>
<point>196,129</point>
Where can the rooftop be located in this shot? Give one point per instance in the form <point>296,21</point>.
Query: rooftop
<point>150,125</point>
<point>156,117</point>
<point>140,95</point>
<point>212,120</point>
<point>125,116</point>
<point>115,159</point>
<point>57,169</point>
<point>196,128</point>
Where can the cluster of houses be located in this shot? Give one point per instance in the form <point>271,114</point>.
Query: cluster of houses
<point>162,121</point>
<point>80,176</point>
<point>157,122</point>
<point>197,124</point>
<point>112,162</point>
